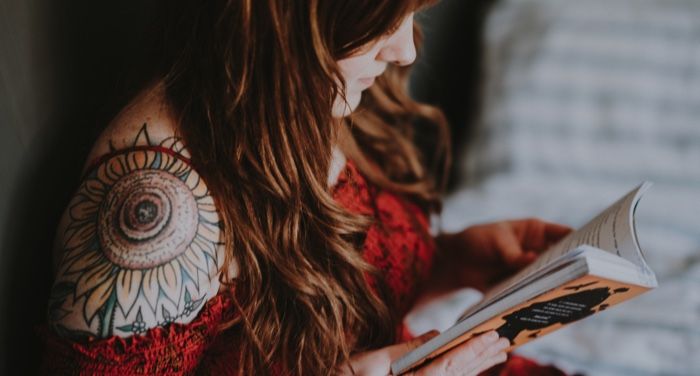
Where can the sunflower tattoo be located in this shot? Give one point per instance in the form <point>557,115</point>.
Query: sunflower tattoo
<point>141,245</point>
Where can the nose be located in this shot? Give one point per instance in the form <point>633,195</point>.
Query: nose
<point>400,48</point>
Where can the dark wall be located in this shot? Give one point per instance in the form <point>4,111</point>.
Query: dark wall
<point>448,70</point>
<point>62,69</point>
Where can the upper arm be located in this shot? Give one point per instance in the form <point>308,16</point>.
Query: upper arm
<point>139,243</point>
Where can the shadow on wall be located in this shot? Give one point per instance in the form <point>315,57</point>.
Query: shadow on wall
<point>448,71</point>
<point>84,49</point>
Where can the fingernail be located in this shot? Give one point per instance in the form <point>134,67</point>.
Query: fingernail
<point>492,336</point>
<point>499,346</point>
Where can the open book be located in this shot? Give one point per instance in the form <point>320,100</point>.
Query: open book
<point>588,271</point>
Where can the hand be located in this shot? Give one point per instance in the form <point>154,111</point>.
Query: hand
<point>484,254</point>
<point>469,358</point>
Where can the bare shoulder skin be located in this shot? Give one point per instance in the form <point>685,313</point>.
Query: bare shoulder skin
<point>139,245</point>
<point>148,108</point>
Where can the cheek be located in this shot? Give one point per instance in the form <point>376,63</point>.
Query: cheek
<point>352,68</point>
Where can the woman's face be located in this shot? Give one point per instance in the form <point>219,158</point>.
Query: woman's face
<point>360,69</point>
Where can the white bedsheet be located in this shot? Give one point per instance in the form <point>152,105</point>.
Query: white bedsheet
<point>655,334</point>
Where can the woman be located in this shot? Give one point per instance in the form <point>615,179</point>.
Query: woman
<point>261,206</point>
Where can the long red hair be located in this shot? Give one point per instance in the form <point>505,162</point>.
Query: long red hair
<point>253,83</point>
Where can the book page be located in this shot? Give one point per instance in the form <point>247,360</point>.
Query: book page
<point>558,288</point>
<point>612,231</point>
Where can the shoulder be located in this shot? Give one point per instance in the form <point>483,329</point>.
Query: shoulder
<point>146,121</point>
<point>139,245</point>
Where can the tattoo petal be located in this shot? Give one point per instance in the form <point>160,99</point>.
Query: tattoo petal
<point>95,187</point>
<point>197,259</point>
<point>209,232</point>
<point>128,287</point>
<point>189,267</point>
<point>81,236</point>
<point>150,287</point>
<point>171,281</point>
<point>139,160</point>
<point>84,210</point>
<point>196,185</point>
<point>96,299</point>
<point>94,278</point>
<point>83,261</point>
<point>209,217</point>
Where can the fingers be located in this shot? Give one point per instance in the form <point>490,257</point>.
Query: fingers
<point>509,246</point>
<point>493,355</point>
<point>490,362</point>
<point>537,235</point>
<point>524,260</point>
<point>555,232</point>
<point>479,345</point>
<point>469,358</point>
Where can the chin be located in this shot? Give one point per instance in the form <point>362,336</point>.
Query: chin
<point>342,108</point>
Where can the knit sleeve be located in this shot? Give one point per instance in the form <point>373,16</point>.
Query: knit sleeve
<point>139,256</point>
<point>173,349</point>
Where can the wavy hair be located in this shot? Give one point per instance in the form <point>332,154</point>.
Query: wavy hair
<point>252,83</point>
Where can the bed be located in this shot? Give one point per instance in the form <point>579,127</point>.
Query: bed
<point>583,100</point>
